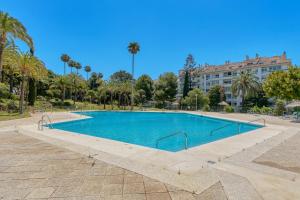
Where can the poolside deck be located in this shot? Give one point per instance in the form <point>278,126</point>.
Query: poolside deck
<point>44,166</point>
<point>32,169</point>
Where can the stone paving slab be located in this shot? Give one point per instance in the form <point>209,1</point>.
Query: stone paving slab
<point>32,169</point>
<point>284,156</point>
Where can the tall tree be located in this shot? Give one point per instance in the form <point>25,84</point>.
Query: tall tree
<point>196,97</point>
<point>189,62</point>
<point>245,85</point>
<point>186,84</point>
<point>32,91</point>
<point>166,87</point>
<point>133,48</point>
<point>11,27</point>
<point>95,80</point>
<point>87,69</point>
<point>78,66</point>
<point>65,59</point>
<point>283,84</point>
<point>216,95</point>
<point>120,77</point>
<point>71,64</point>
<point>29,67</point>
<point>146,84</point>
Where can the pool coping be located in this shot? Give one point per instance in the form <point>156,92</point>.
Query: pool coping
<point>188,169</point>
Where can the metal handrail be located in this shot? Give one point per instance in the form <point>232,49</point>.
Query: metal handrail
<point>171,135</point>
<point>217,129</point>
<point>239,125</point>
<point>42,121</point>
<point>264,120</point>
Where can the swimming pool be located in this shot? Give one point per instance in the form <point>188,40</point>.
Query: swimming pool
<point>151,129</point>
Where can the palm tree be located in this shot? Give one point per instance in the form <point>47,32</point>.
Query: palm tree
<point>28,67</point>
<point>60,83</point>
<point>65,58</point>
<point>11,27</point>
<point>8,63</point>
<point>133,48</point>
<point>87,69</point>
<point>244,85</point>
<point>78,66</point>
<point>71,64</point>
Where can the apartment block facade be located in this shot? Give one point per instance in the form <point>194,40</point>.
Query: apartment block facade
<point>204,77</point>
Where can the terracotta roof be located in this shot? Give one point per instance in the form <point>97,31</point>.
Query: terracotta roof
<point>248,63</point>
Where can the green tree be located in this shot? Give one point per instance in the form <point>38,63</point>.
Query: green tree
<point>87,69</point>
<point>11,27</point>
<point>283,84</point>
<point>245,85</point>
<point>120,77</point>
<point>133,48</point>
<point>32,91</point>
<point>95,80</point>
<point>196,97</point>
<point>166,88</point>
<point>102,93</point>
<point>186,84</point>
<point>189,62</point>
<point>216,95</point>
<point>146,84</point>
<point>71,64</point>
<point>259,99</point>
<point>28,67</point>
<point>65,59</point>
<point>78,66</point>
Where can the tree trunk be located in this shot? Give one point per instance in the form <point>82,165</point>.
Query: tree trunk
<point>132,79</point>
<point>2,45</point>
<point>11,83</point>
<point>111,101</point>
<point>21,102</point>
<point>63,94</point>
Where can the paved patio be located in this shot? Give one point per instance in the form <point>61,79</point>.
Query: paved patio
<point>44,165</point>
<point>32,169</point>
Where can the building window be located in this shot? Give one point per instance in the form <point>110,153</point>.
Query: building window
<point>207,77</point>
<point>264,70</point>
<point>227,81</point>
<point>215,76</point>
<point>234,73</point>
<point>227,74</point>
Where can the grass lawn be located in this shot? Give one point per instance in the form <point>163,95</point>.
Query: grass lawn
<point>9,116</point>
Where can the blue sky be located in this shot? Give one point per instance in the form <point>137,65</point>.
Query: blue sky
<point>96,32</point>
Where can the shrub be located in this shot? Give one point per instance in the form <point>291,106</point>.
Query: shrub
<point>11,106</point>
<point>279,107</point>
<point>255,109</point>
<point>4,91</point>
<point>206,108</point>
<point>229,109</point>
<point>265,110</point>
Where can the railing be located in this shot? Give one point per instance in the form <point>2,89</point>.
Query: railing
<point>217,129</point>
<point>43,121</point>
<point>238,125</point>
<point>255,120</point>
<point>171,135</point>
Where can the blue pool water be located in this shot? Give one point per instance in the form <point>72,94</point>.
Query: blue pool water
<point>145,128</point>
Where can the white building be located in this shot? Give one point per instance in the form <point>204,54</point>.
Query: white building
<point>204,77</point>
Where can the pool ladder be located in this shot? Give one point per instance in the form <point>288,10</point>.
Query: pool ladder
<point>171,135</point>
<point>43,122</point>
<point>239,125</point>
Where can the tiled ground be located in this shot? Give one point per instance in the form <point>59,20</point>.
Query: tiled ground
<point>32,169</point>
<point>284,156</point>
